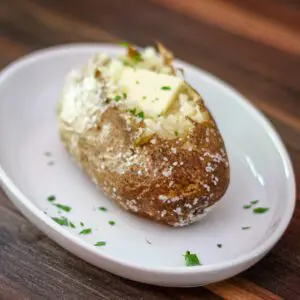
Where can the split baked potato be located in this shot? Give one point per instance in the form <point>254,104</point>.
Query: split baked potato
<point>144,136</point>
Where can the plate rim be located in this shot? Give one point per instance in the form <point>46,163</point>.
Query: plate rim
<point>52,227</point>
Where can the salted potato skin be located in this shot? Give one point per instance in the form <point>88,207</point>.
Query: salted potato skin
<point>173,181</point>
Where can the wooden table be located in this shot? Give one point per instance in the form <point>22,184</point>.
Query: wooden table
<point>254,45</point>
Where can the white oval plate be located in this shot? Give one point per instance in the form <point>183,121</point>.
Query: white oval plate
<point>135,248</point>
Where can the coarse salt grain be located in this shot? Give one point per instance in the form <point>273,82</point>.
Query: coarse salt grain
<point>174,150</point>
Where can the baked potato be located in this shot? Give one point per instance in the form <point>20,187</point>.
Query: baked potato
<point>144,135</point>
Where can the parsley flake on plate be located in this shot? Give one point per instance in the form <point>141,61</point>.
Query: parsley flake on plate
<point>51,198</point>
<point>246,227</point>
<point>247,206</point>
<point>63,207</point>
<point>86,231</point>
<point>112,223</point>
<point>81,224</point>
<point>63,221</point>
<point>100,244</point>
<point>191,259</point>
<point>254,202</point>
<point>260,210</point>
<point>166,88</point>
<point>102,208</point>
<point>72,225</point>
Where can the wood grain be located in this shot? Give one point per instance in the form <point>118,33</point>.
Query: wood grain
<point>253,45</point>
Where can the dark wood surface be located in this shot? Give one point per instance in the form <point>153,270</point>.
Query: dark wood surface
<point>254,45</point>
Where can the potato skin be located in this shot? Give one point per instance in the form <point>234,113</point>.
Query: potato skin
<point>170,181</point>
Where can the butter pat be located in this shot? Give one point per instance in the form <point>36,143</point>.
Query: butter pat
<point>150,92</point>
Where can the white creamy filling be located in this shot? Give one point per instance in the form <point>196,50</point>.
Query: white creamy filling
<point>86,93</point>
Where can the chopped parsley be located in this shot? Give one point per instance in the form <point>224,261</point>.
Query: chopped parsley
<point>254,202</point>
<point>63,221</point>
<point>124,95</point>
<point>137,82</point>
<point>191,259</point>
<point>72,225</point>
<point>247,206</point>
<point>176,132</point>
<point>100,244</point>
<point>138,58</point>
<point>246,227</point>
<point>165,88</point>
<point>144,97</point>
<point>125,44</point>
<point>51,198</point>
<point>81,224</point>
<point>219,245</point>
<point>86,231</point>
<point>118,98</point>
<point>133,111</point>
<point>141,115</point>
<point>102,208</point>
<point>112,223</point>
<point>63,207</point>
<point>260,210</point>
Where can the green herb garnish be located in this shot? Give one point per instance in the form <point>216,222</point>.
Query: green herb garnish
<point>141,115</point>
<point>144,97</point>
<point>51,198</point>
<point>86,231</point>
<point>125,44</point>
<point>103,208</point>
<point>118,98</point>
<point>81,224</point>
<point>63,207</point>
<point>61,221</point>
<point>254,202</point>
<point>137,82</point>
<point>176,132</point>
<point>246,228</point>
<point>247,206</point>
<point>219,245</point>
<point>112,223</point>
<point>133,111</point>
<point>165,88</point>
<point>138,58</point>
<point>124,95</point>
<point>100,244</point>
<point>72,225</point>
<point>260,210</point>
<point>191,259</point>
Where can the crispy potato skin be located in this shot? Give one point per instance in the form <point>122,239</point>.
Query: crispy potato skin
<point>170,181</point>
